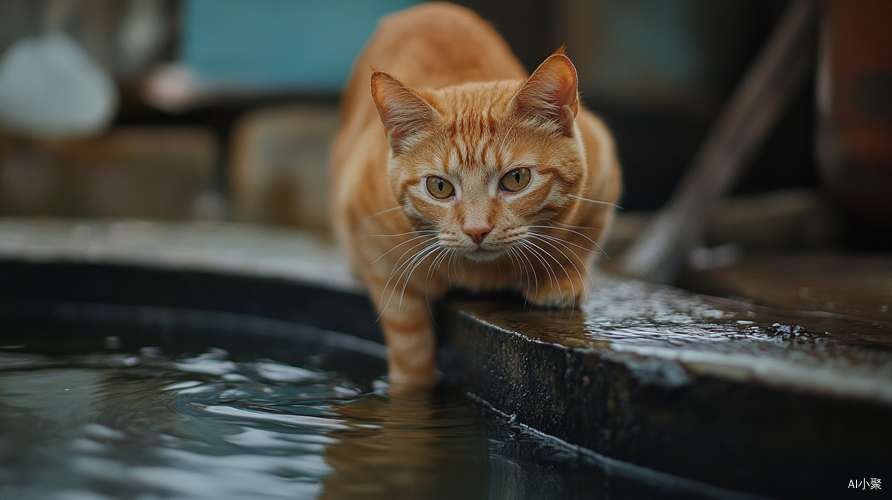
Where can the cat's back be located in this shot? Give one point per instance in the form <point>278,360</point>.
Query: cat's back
<point>431,46</point>
<point>436,44</point>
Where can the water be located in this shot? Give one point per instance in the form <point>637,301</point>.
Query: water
<point>149,425</point>
<point>153,424</point>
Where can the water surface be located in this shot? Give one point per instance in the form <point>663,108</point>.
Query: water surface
<point>156,424</point>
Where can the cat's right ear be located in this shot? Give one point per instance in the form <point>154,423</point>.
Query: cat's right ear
<point>549,97</point>
<point>403,112</point>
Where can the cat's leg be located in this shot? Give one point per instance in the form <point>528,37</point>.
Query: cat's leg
<point>411,347</point>
<point>409,333</point>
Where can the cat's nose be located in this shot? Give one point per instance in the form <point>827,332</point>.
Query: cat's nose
<point>478,233</point>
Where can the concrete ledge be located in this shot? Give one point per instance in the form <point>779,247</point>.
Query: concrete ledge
<point>267,282</point>
<point>220,247</point>
<point>743,397</point>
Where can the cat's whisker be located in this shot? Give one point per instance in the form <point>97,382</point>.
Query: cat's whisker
<point>416,231</point>
<point>512,254</point>
<point>409,262</point>
<point>530,270</point>
<point>448,268</point>
<point>399,263</point>
<point>396,285</point>
<point>593,242</point>
<point>409,274</point>
<point>543,238</point>
<point>599,202</point>
<point>564,241</point>
<point>435,266</point>
<point>399,245</point>
<point>516,256</point>
<point>524,272</point>
<point>556,261</point>
<point>455,260</point>
<point>381,212</point>
<point>551,276</point>
<point>445,254</point>
<point>583,235</point>
<point>404,265</point>
<point>593,228</point>
<point>565,244</point>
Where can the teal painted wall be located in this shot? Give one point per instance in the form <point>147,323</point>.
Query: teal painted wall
<point>289,44</point>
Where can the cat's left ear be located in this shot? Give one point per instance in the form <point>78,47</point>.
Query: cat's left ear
<point>403,112</point>
<point>550,97</point>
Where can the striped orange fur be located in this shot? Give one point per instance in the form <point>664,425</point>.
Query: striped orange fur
<point>453,169</point>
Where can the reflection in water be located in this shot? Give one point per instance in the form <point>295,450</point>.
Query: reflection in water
<point>147,426</point>
<point>201,427</point>
<point>127,426</point>
<point>407,447</point>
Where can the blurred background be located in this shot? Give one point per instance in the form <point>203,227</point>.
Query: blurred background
<point>224,109</point>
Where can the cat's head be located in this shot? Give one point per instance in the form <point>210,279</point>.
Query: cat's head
<point>484,163</point>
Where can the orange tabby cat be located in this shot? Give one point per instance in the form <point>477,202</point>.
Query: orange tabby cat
<point>455,170</point>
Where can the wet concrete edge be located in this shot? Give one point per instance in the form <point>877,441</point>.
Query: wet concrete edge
<point>652,412</point>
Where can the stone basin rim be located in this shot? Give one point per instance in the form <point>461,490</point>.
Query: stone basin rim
<point>732,367</point>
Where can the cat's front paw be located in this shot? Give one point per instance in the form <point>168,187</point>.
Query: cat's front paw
<point>563,295</point>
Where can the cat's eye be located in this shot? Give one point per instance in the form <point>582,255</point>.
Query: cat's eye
<point>439,188</point>
<point>515,180</point>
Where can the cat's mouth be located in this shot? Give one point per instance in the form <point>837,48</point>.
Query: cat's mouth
<point>481,254</point>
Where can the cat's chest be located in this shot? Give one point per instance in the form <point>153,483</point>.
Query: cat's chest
<point>500,274</point>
